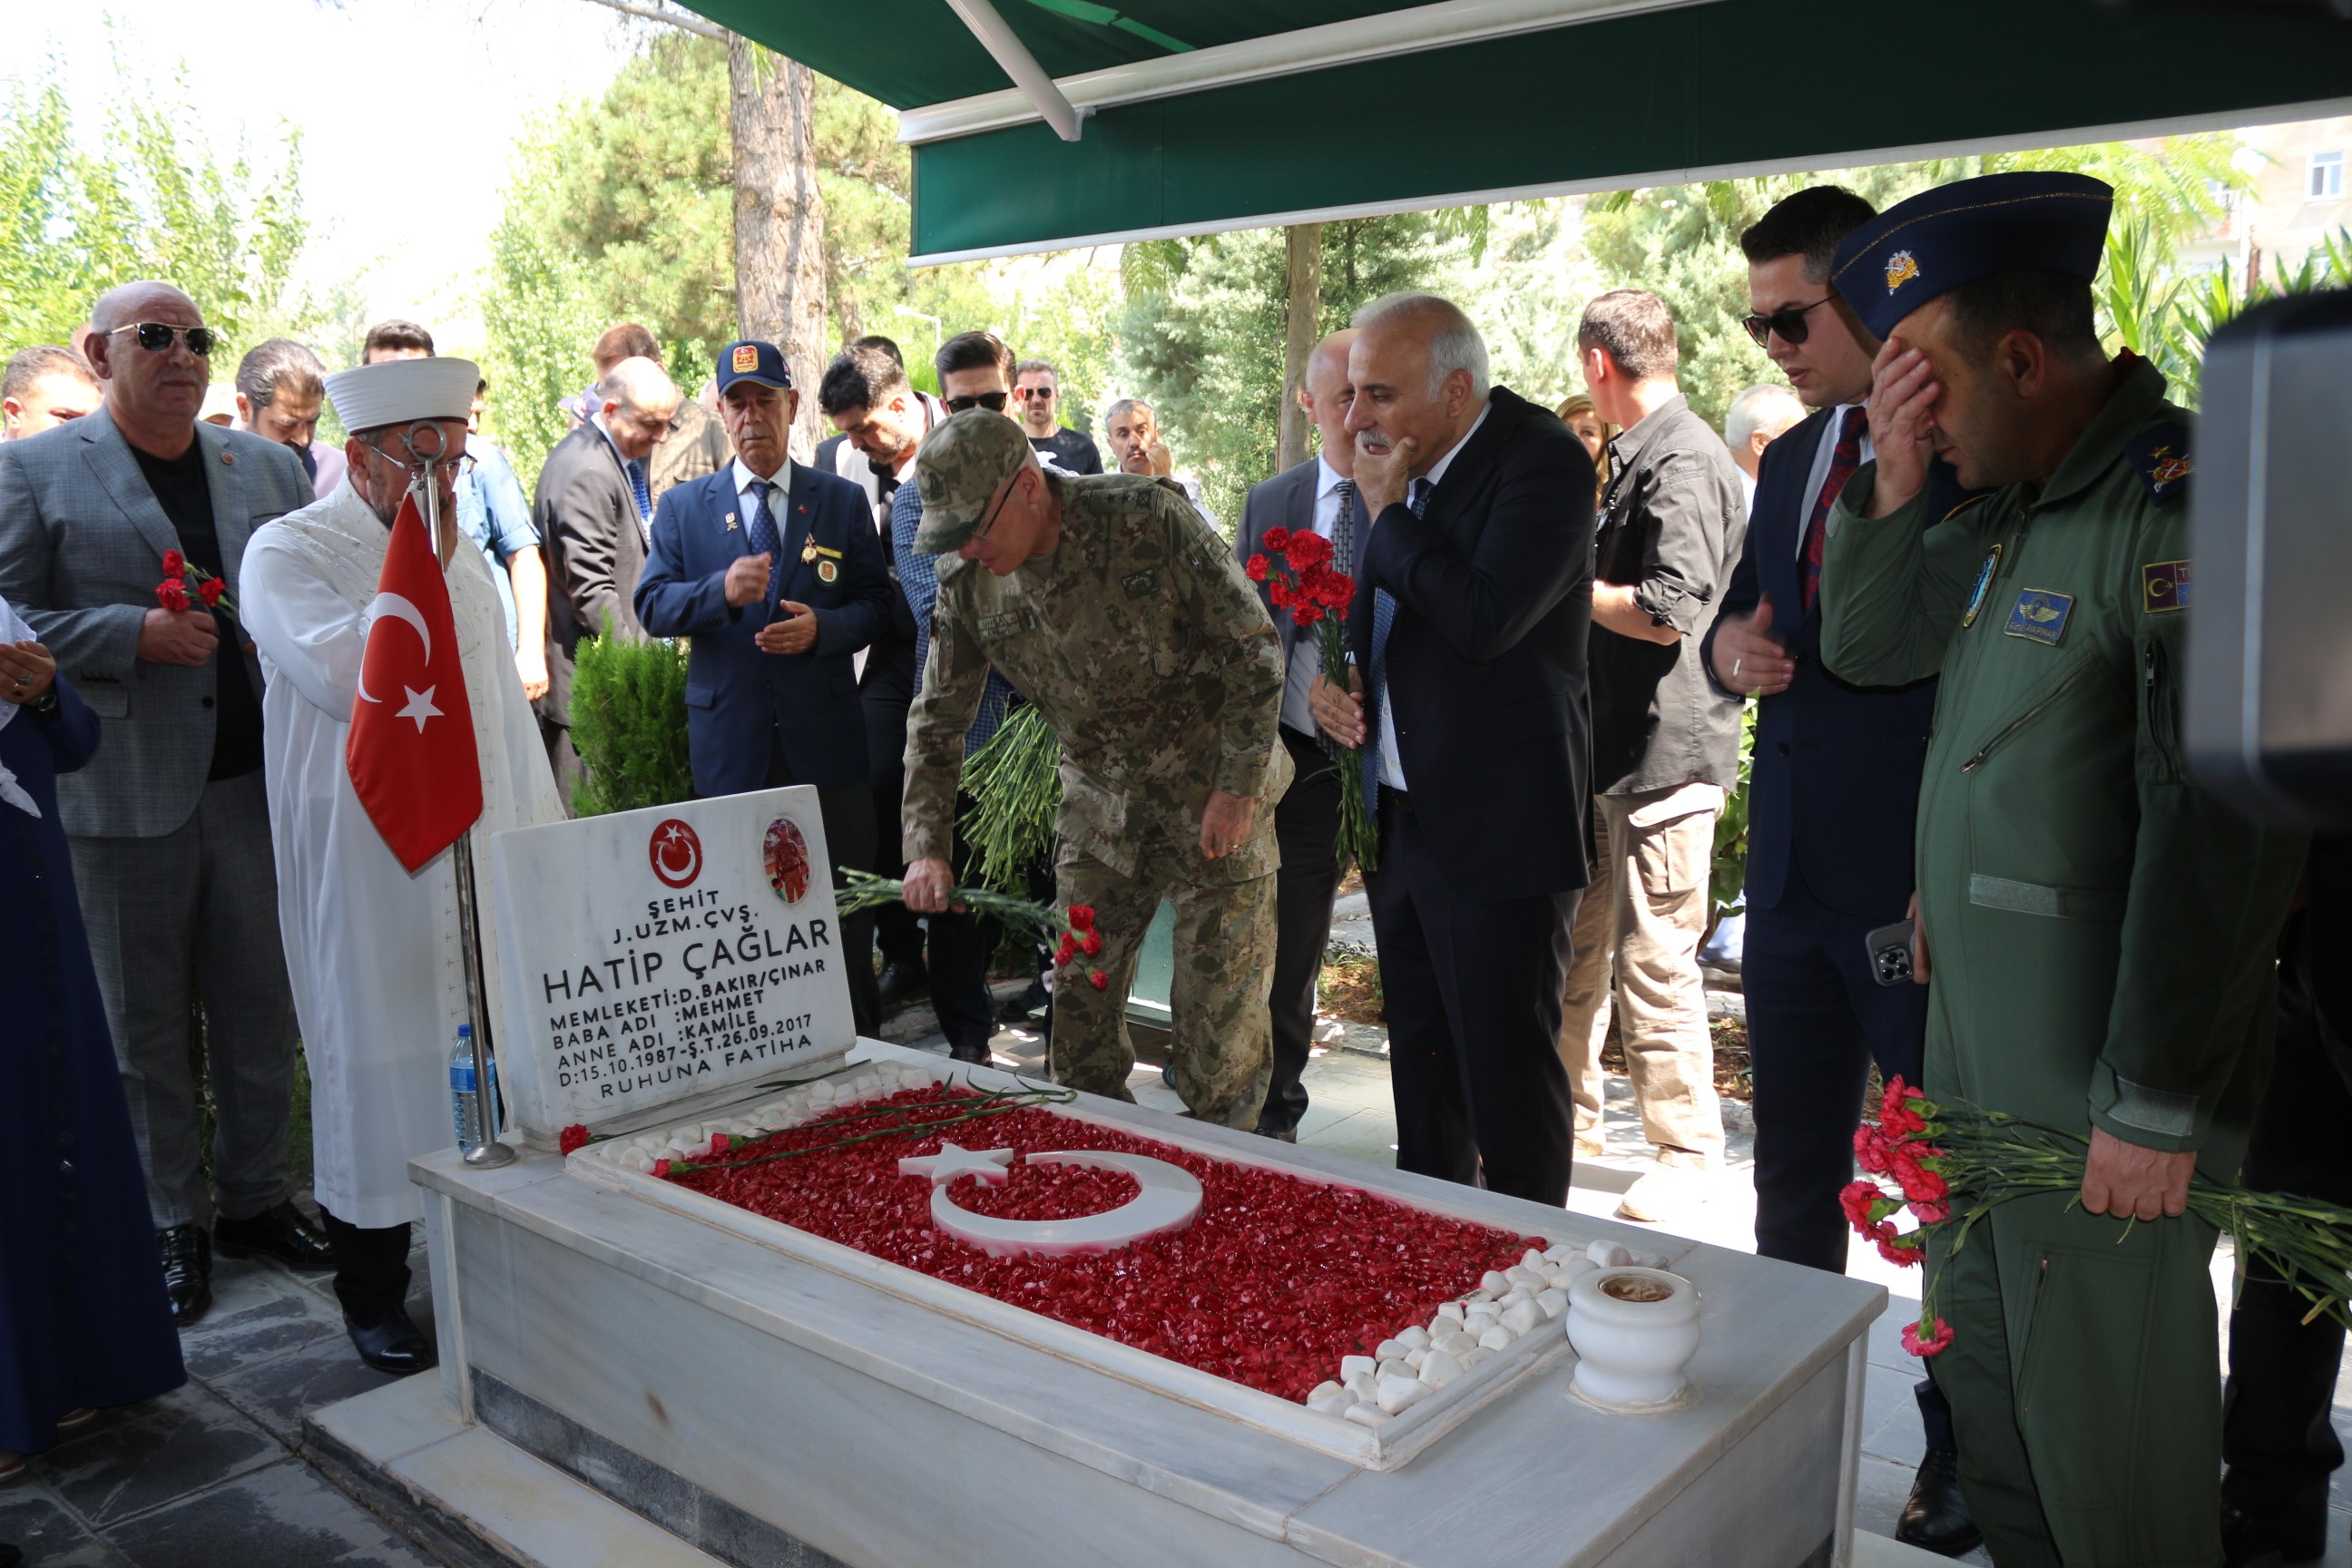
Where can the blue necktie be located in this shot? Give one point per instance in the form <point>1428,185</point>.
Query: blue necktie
<point>760,528</point>
<point>1376,683</point>
<point>643,491</point>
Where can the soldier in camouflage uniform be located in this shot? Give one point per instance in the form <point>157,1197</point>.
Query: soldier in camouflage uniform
<point>1125,619</point>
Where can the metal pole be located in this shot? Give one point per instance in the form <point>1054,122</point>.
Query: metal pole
<point>488,1152</point>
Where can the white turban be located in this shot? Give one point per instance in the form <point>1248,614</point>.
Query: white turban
<point>402,391</point>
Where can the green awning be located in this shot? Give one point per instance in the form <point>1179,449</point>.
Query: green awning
<point>1210,114</point>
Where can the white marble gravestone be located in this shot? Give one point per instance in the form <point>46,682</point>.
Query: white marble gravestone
<point>657,958</point>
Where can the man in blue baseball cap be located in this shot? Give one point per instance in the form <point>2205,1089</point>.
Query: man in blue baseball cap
<point>2099,932</point>
<point>773,570</point>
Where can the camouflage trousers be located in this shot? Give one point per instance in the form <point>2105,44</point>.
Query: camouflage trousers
<point>1223,1044</point>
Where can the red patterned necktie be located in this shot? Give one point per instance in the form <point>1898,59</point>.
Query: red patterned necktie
<point>1842,463</point>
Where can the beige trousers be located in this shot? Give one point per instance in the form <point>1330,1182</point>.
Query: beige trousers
<point>1641,922</point>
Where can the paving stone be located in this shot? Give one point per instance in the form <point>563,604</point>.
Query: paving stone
<point>282,1516</point>
<point>279,1391</point>
<point>133,1460</point>
<point>270,1316</point>
<point>32,1519</point>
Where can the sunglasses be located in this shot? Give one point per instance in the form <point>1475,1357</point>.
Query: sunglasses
<point>1034,394</point>
<point>991,401</point>
<point>1790,323</point>
<point>156,337</point>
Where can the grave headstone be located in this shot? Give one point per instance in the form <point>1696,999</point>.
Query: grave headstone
<point>654,957</point>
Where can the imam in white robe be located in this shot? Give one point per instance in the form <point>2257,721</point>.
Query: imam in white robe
<point>379,983</point>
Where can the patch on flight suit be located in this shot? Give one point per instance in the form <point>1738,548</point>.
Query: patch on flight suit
<point>826,570</point>
<point>2164,585</point>
<point>1140,584</point>
<point>1984,583</point>
<point>1007,624</point>
<point>2040,615</point>
<point>2159,456</point>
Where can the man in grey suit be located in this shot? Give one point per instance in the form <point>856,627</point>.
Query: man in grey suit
<point>1316,497</point>
<point>594,510</point>
<point>168,827</point>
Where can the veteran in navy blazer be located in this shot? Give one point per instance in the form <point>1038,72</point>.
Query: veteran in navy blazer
<point>1473,607</point>
<point>1833,792</point>
<point>773,570</point>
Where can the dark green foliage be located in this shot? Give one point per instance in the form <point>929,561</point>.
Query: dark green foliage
<point>628,719</point>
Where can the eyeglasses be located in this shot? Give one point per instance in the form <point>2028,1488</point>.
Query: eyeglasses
<point>988,520</point>
<point>1790,323</point>
<point>460,465</point>
<point>156,337</point>
<point>991,401</point>
<point>1034,394</point>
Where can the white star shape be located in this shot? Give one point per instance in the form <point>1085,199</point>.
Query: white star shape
<point>420,706</point>
<point>952,1160</point>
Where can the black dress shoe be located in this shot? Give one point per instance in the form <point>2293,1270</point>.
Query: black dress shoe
<point>900,979</point>
<point>2272,1537</point>
<point>1284,1135</point>
<point>1937,1517</point>
<point>1018,1010</point>
<point>279,1233</point>
<point>187,1271</point>
<point>979,1056</point>
<point>396,1344</point>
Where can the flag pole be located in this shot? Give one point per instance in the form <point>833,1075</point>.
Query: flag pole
<point>488,1153</point>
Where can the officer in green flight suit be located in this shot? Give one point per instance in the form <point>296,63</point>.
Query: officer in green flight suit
<point>2097,931</point>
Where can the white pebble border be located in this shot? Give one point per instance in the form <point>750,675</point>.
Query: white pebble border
<point>1508,1305</point>
<point>812,1101</point>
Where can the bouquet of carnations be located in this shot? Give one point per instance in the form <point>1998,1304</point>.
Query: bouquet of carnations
<point>184,581</point>
<point>1296,569</point>
<point>1954,1164</point>
<point>863,891</point>
<point>1014,780</point>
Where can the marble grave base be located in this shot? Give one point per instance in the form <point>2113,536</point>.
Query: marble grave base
<point>692,1373</point>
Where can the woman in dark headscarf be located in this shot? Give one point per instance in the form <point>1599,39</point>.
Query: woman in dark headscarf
<point>84,1322</point>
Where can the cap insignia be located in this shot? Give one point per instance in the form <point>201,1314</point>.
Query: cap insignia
<point>1901,268</point>
<point>746,359</point>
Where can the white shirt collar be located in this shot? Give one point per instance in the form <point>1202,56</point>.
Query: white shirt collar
<point>745,478</point>
<point>1326,478</point>
<point>1437,470</point>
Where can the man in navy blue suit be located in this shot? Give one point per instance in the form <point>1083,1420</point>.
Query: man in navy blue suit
<point>1833,796</point>
<point>774,571</point>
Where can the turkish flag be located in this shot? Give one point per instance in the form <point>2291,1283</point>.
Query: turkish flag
<point>411,753</point>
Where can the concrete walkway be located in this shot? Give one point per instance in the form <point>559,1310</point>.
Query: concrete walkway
<point>216,1475</point>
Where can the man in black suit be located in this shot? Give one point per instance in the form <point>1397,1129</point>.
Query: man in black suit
<point>1474,596</point>
<point>1833,796</point>
<point>1316,497</point>
<point>593,508</point>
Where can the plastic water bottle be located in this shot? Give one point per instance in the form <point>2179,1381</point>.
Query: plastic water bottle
<point>463,1100</point>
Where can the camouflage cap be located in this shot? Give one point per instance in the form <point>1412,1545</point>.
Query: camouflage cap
<point>958,468</point>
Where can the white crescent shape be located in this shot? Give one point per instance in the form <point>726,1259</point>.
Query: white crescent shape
<point>693,862</point>
<point>398,606</point>
<point>1169,1200</point>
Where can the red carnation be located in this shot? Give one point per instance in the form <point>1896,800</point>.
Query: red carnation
<point>1082,917</point>
<point>572,1137</point>
<point>1308,549</point>
<point>1099,980</point>
<point>1276,539</point>
<point>1068,951</point>
<point>1279,592</point>
<point>1857,1199</point>
<point>1254,568</point>
<point>718,1143</point>
<point>1338,590</point>
<point>210,591</point>
<point>174,563</point>
<point>1871,1148</point>
<point>1091,945</point>
<point>661,1168</point>
<point>173,595</point>
<point>1306,612</point>
<point>1902,1251</point>
<point>1930,1212</point>
<point>1930,1343</point>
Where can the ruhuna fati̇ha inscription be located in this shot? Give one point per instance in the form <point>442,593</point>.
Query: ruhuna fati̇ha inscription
<point>652,957</point>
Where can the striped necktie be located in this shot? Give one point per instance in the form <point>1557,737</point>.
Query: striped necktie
<point>759,529</point>
<point>1844,461</point>
<point>643,491</point>
<point>1343,561</point>
<point>1376,684</point>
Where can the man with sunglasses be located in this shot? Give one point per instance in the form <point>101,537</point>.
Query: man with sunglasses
<point>1834,791</point>
<point>170,824</point>
<point>1037,396</point>
<point>1125,619</point>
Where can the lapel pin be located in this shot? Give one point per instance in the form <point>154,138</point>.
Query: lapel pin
<point>227,456</point>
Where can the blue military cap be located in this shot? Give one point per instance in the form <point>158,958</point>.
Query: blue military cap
<point>1956,234</point>
<point>753,361</point>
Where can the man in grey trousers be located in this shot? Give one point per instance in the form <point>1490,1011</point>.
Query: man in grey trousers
<point>168,824</point>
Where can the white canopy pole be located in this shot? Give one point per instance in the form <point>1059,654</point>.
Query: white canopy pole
<point>1004,46</point>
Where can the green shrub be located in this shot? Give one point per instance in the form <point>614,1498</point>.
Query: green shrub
<point>628,719</point>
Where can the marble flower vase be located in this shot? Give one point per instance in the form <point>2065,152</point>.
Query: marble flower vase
<point>1634,1330</point>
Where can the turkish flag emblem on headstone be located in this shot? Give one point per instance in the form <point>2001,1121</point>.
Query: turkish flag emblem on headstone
<point>411,753</point>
